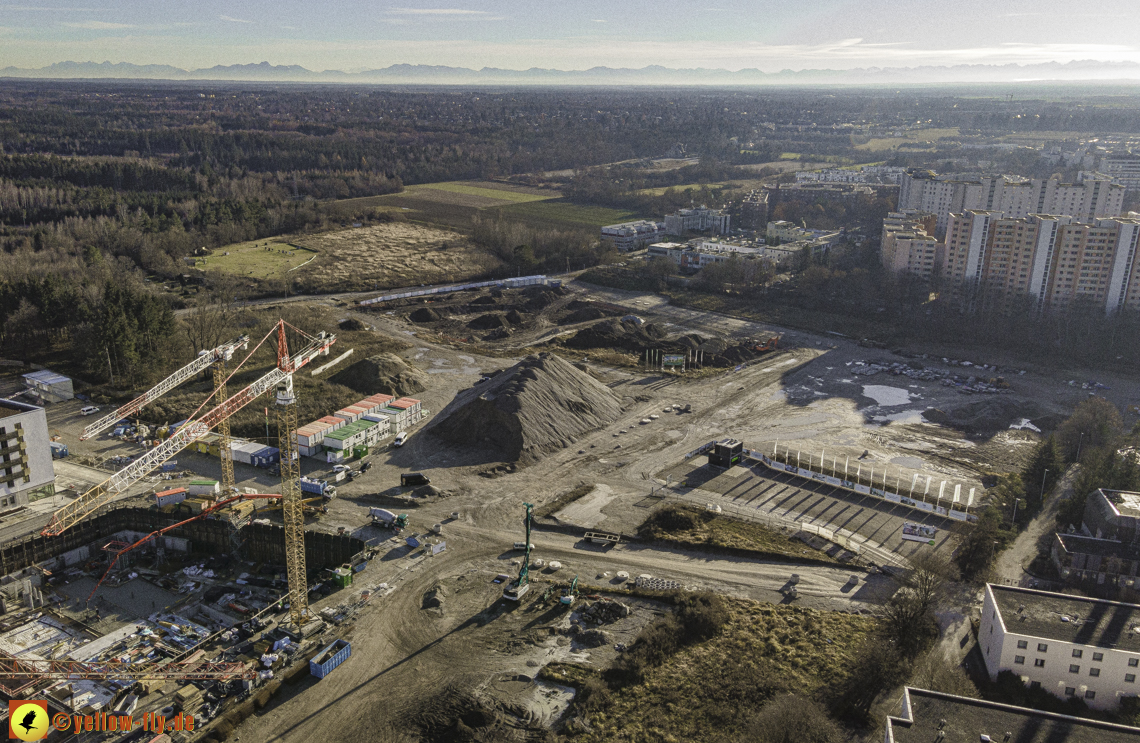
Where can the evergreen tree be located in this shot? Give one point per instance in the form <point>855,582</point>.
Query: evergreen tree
<point>1042,472</point>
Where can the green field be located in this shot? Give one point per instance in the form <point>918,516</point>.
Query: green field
<point>462,187</point>
<point>257,259</point>
<point>558,212</point>
<point>662,189</point>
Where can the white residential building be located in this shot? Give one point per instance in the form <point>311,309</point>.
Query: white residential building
<point>26,471</point>
<point>1070,646</point>
<point>632,235</point>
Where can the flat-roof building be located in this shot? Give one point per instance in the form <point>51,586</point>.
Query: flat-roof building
<point>1070,646</point>
<point>935,717</point>
<point>632,235</point>
<point>697,219</point>
<point>47,386</point>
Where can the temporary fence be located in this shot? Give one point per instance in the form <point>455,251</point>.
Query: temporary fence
<point>428,291</point>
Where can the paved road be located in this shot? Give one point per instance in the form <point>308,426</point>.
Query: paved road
<point>1010,567</point>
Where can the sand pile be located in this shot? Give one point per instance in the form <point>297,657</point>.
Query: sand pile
<point>386,372</point>
<point>424,314</point>
<point>537,406</point>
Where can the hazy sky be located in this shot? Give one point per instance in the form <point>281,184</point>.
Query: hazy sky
<point>767,34</point>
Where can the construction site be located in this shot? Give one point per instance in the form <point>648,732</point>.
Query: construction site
<point>403,567</point>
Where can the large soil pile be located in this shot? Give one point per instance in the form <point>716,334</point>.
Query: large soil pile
<point>386,372</point>
<point>988,415</point>
<point>538,405</point>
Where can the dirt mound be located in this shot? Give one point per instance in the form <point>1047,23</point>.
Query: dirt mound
<point>934,415</point>
<point>514,317</point>
<point>613,334</point>
<point>538,405</point>
<point>483,300</point>
<point>386,372</point>
<point>498,334</point>
<point>351,324</point>
<point>584,314</point>
<point>433,598</point>
<point>540,297</point>
<point>424,314</point>
<point>991,415</point>
<point>488,322</point>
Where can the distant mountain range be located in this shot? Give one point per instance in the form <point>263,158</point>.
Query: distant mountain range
<point>406,74</point>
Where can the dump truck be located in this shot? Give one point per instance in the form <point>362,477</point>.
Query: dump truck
<point>384,517</point>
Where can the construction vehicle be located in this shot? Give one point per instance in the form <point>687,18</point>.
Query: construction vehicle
<point>310,510</point>
<point>518,587</point>
<point>769,345</point>
<point>570,595</point>
<point>384,517</point>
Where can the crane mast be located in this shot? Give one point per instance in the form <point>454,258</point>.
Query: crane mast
<point>106,491</point>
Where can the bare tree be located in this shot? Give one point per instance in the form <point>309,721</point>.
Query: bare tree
<point>210,322</point>
<point>792,719</point>
<point>936,672</point>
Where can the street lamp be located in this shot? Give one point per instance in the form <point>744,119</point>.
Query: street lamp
<point>1043,486</point>
<point>992,550</point>
<point>1079,444</point>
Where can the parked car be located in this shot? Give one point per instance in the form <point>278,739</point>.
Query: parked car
<point>401,437</point>
<point>88,410</point>
<point>366,466</point>
<point>341,468</point>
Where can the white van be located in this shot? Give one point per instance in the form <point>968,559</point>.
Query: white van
<point>89,410</point>
<point>522,545</point>
<point>401,437</point>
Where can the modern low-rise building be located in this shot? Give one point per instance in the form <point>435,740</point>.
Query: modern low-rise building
<point>1123,169</point>
<point>1070,646</point>
<point>697,219</point>
<point>633,235</point>
<point>26,471</point>
<point>908,244</point>
<point>47,387</point>
<point>1081,559</point>
<point>923,716</point>
<point>1112,514</point>
<point>754,209</point>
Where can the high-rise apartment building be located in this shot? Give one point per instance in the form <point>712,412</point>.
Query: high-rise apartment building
<point>1013,197</point>
<point>908,244</point>
<point>1054,259</point>
<point>1123,169</point>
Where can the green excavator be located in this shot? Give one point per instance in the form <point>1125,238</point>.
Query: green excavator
<point>570,595</point>
<point>518,588</point>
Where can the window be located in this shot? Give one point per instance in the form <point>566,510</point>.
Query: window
<point>1094,671</point>
<point>1023,644</point>
<point>1130,678</point>
<point>1090,694</point>
<point>1019,659</point>
<point>1038,662</point>
<point>1098,657</point>
<point>1077,653</point>
<point>1074,669</point>
<point>1070,691</point>
<point>1133,662</point>
<point>1042,647</point>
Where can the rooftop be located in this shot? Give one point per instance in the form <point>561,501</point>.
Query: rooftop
<point>1126,503</point>
<point>926,714</point>
<point>45,376</point>
<point>1103,547</point>
<point>11,407</point>
<point>1073,619</point>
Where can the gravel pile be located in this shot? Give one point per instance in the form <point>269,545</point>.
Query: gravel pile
<point>385,372</point>
<point>536,406</point>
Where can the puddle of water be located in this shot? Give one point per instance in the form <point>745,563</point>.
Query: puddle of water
<point>885,395</point>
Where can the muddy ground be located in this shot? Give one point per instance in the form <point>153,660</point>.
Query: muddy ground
<point>804,398</point>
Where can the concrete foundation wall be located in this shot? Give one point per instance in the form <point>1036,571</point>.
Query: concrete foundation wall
<point>210,536</point>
